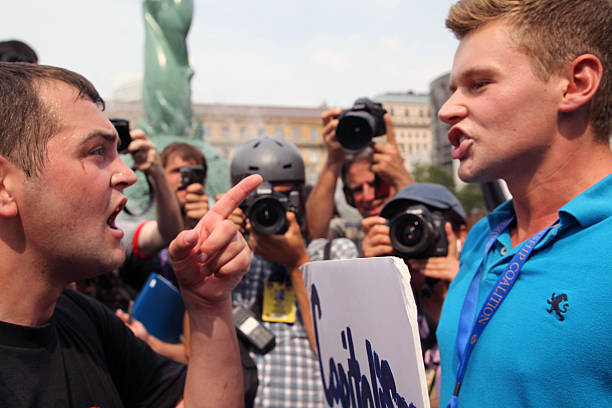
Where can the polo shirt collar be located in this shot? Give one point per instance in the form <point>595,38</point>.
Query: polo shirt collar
<point>590,207</point>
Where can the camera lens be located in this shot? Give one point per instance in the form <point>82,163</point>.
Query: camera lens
<point>265,215</point>
<point>410,235</point>
<point>268,217</point>
<point>355,130</point>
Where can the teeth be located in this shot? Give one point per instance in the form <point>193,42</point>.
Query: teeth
<point>461,139</point>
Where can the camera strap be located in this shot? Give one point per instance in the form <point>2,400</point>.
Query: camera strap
<point>472,330</point>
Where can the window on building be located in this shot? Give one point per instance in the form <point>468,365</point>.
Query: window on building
<point>296,133</point>
<point>243,132</point>
<point>261,132</point>
<point>225,131</point>
<point>279,132</point>
<point>314,134</point>
<point>207,132</point>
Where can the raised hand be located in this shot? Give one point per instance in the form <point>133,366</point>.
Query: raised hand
<point>210,259</point>
<point>376,241</point>
<point>335,153</point>
<point>388,162</point>
<point>287,249</point>
<point>237,217</point>
<point>444,268</point>
<point>143,151</point>
<point>196,202</point>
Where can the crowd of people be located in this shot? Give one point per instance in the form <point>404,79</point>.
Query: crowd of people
<point>530,104</point>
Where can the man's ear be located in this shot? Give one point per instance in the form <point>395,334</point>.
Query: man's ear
<point>8,205</point>
<point>584,76</point>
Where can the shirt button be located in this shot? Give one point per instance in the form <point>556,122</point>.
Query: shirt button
<point>504,251</point>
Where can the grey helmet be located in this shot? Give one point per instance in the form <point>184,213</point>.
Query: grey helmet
<point>275,159</point>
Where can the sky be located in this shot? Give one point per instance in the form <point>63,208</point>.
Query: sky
<point>267,52</point>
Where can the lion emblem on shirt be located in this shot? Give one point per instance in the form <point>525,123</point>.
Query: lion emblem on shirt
<point>558,305</point>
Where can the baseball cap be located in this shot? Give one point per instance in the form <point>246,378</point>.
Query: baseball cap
<point>432,195</point>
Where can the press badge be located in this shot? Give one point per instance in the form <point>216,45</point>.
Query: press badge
<point>278,303</point>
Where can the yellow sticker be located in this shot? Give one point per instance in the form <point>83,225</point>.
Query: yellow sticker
<point>430,375</point>
<point>278,303</point>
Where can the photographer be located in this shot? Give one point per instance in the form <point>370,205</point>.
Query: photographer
<point>187,202</point>
<point>185,168</point>
<point>425,225</point>
<point>154,235</point>
<point>289,374</point>
<point>369,177</point>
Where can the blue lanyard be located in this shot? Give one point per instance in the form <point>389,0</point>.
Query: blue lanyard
<point>470,329</point>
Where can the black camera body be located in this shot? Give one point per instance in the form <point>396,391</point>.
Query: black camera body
<point>360,124</point>
<point>190,175</point>
<point>123,129</point>
<point>418,232</point>
<point>266,209</point>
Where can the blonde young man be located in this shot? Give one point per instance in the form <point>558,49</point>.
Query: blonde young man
<point>526,321</point>
<point>61,183</point>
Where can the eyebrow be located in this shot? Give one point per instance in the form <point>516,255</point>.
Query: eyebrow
<point>109,137</point>
<point>470,73</point>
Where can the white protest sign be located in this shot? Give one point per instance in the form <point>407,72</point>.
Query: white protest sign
<point>367,335</point>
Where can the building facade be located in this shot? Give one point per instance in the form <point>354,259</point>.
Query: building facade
<point>227,126</point>
<point>411,115</point>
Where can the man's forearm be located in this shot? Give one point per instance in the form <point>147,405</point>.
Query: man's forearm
<point>168,212</point>
<point>320,204</point>
<point>214,374</point>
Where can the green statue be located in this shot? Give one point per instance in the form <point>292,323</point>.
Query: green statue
<point>167,91</point>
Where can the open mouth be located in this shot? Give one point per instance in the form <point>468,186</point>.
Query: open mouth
<point>456,136</point>
<point>113,217</point>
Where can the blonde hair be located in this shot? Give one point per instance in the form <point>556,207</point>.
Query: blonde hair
<point>552,33</point>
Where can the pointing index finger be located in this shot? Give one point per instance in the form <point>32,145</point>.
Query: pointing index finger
<point>231,200</point>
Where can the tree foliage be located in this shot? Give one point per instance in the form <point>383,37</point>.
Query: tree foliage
<point>470,196</point>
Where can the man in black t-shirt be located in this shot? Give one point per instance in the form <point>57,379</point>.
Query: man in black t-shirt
<point>61,183</point>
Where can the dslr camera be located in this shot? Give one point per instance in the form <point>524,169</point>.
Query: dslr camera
<point>266,208</point>
<point>190,175</point>
<point>418,232</point>
<point>358,125</point>
<point>123,129</point>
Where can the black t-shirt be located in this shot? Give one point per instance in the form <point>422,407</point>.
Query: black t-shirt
<point>84,357</point>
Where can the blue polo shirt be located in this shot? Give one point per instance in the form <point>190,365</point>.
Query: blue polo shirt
<point>549,344</point>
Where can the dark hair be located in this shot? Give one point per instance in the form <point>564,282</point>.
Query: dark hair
<point>17,51</point>
<point>363,156</point>
<point>186,152</point>
<point>28,120</point>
